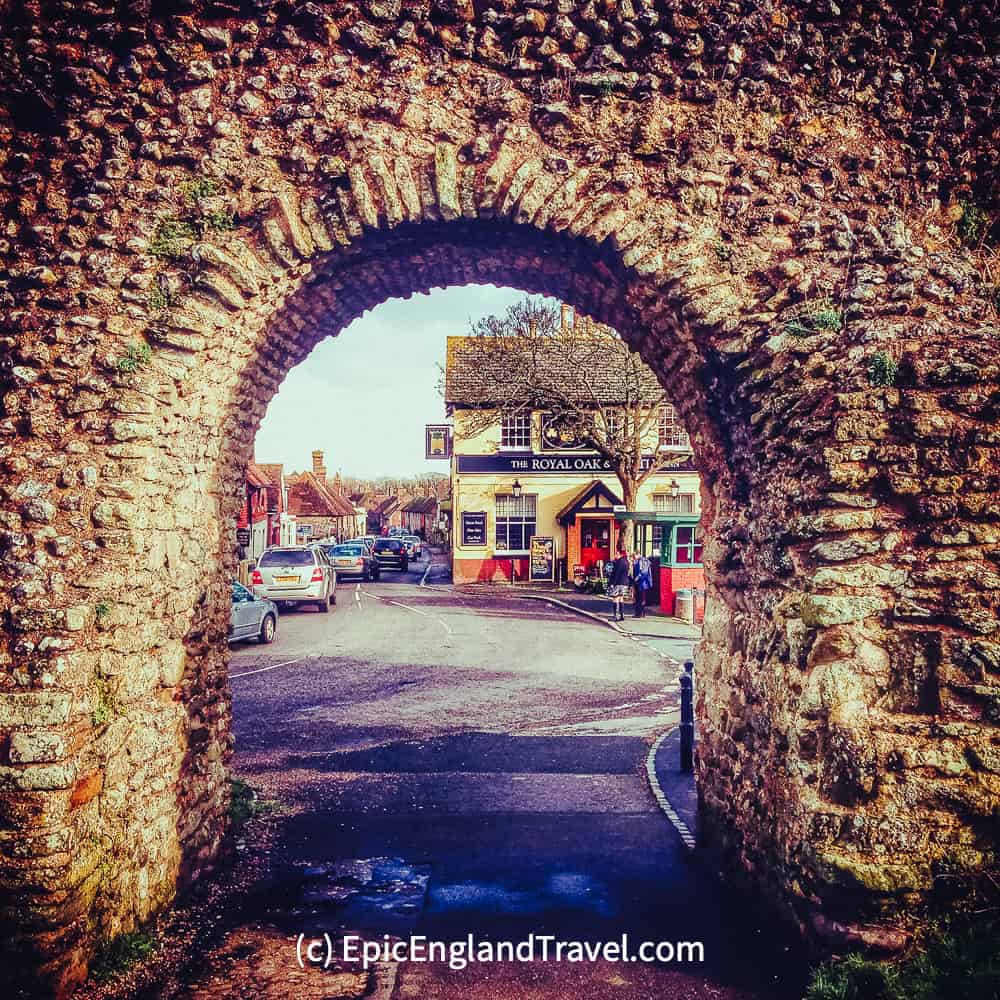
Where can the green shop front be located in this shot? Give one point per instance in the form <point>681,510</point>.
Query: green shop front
<point>673,542</point>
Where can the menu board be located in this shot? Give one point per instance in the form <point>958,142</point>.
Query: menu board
<point>542,558</point>
<point>474,528</point>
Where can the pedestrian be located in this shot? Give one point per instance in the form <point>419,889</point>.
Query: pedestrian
<point>642,581</point>
<point>618,584</point>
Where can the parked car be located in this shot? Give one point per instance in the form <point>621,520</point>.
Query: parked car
<point>418,544</point>
<point>411,549</point>
<point>392,552</point>
<point>296,574</point>
<point>353,559</point>
<point>251,617</point>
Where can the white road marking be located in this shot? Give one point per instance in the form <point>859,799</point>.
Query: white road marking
<point>406,607</point>
<point>261,670</point>
<point>357,593</point>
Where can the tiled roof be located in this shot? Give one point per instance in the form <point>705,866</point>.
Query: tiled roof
<point>256,476</point>
<point>469,382</point>
<point>271,472</point>
<point>386,506</point>
<point>421,505</point>
<point>309,495</point>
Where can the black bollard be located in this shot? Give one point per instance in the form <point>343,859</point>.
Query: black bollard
<point>687,717</point>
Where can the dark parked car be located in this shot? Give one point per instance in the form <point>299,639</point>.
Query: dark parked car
<point>353,560</point>
<point>251,617</point>
<point>391,552</point>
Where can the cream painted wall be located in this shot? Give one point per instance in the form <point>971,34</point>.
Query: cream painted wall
<point>477,492</point>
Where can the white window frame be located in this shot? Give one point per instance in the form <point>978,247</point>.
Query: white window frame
<point>518,507</point>
<point>614,420</point>
<point>517,428</point>
<point>670,433</point>
<point>667,503</point>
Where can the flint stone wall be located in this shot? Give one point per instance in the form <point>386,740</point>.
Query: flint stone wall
<point>762,197</point>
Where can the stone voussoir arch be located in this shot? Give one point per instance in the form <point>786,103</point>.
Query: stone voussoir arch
<point>829,351</point>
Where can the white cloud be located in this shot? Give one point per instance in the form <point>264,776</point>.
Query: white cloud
<point>364,396</point>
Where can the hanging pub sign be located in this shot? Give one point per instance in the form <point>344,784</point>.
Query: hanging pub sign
<point>474,528</point>
<point>437,441</point>
<point>542,558</point>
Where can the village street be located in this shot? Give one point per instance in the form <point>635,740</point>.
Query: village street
<point>448,764</point>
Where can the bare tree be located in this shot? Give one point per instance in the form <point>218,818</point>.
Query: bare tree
<point>594,392</point>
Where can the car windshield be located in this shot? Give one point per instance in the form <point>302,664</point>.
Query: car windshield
<point>387,544</point>
<point>287,557</point>
<point>345,550</point>
<point>411,538</point>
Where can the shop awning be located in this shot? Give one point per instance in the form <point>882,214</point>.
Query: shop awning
<point>594,498</point>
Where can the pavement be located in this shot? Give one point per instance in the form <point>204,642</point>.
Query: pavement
<point>672,637</point>
<point>443,763</point>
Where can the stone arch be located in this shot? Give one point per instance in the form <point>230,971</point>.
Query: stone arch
<point>164,278</point>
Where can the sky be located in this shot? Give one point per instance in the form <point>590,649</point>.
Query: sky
<point>364,396</point>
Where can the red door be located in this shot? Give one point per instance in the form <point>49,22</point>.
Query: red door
<point>595,541</point>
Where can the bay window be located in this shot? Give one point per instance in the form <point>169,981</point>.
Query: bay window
<point>515,521</point>
<point>687,545</point>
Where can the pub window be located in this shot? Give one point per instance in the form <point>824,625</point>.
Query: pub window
<point>687,545</point>
<point>671,432</point>
<point>665,503</point>
<point>648,539</point>
<point>516,518</point>
<point>515,431</point>
<point>613,423</point>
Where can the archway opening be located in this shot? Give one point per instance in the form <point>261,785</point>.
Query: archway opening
<point>386,740</point>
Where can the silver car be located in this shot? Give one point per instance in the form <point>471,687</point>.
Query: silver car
<point>416,545</point>
<point>296,574</point>
<point>251,617</point>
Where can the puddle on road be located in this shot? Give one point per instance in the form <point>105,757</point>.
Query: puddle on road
<point>381,895</point>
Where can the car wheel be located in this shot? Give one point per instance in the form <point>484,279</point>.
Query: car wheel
<point>333,597</point>
<point>268,628</point>
<point>323,606</point>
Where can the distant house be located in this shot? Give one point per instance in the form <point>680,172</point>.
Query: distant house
<point>252,520</point>
<point>384,512</point>
<point>319,510</point>
<point>280,523</point>
<point>420,515</point>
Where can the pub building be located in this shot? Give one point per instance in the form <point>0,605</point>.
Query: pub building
<point>519,477</point>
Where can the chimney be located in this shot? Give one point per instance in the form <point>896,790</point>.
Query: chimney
<point>319,469</point>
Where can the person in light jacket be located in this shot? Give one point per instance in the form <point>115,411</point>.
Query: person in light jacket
<point>642,581</point>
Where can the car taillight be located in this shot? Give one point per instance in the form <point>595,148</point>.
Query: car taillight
<point>317,576</point>
<point>257,579</point>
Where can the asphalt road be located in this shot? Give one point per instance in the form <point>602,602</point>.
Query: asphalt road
<point>451,764</point>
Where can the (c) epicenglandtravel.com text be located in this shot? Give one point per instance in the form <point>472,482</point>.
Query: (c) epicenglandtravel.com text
<point>458,954</point>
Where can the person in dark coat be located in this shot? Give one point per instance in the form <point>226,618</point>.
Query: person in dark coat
<point>642,581</point>
<point>618,583</point>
